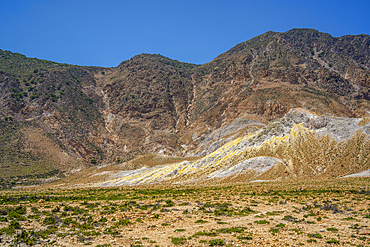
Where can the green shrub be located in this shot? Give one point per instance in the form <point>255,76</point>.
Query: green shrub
<point>216,242</point>
<point>281,225</point>
<point>244,237</point>
<point>331,229</point>
<point>201,221</point>
<point>274,230</point>
<point>237,229</point>
<point>156,216</point>
<point>289,218</point>
<point>180,240</point>
<point>262,222</point>
<point>49,220</point>
<point>180,230</point>
<point>350,218</point>
<point>315,235</point>
<point>15,215</point>
<point>14,225</point>
<point>333,241</point>
<point>209,234</point>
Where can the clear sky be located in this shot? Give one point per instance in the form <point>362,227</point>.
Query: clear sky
<point>104,33</point>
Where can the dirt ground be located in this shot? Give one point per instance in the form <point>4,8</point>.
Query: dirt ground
<point>291,213</point>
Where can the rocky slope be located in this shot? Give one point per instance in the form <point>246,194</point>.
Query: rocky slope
<point>299,145</point>
<point>152,104</point>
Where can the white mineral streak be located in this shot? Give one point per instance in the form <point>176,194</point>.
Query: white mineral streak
<point>358,174</point>
<point>214,140</point>
<point>258,164</point>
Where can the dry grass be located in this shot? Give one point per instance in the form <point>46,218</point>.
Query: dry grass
<point>289,213</point>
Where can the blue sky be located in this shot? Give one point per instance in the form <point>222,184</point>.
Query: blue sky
<point>104,33</point>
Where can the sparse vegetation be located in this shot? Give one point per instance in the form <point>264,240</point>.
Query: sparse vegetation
<point>81,214</point>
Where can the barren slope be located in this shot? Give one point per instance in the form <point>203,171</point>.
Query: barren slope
<point>299,145</point>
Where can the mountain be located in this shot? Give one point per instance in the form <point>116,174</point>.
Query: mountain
<point>57,119</point>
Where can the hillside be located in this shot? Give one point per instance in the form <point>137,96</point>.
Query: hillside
<point>299,145</point>
<point>58,118</point>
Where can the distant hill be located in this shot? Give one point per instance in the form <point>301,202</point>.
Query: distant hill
<point>57,119</point>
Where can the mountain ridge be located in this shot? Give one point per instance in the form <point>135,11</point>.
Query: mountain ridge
<point>151,104</point>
